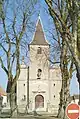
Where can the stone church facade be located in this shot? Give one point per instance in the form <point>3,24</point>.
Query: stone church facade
<point>38,81</point>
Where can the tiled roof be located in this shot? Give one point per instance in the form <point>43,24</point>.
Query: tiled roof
<point>39,38</point>
<point>2,92</point>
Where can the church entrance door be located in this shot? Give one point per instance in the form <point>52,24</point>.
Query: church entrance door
<point>39,101</point>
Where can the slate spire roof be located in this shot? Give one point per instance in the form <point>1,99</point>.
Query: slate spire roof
<point>39,38</point>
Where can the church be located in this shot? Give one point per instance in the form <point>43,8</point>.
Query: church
<point>39,85</point>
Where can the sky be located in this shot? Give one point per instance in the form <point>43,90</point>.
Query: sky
<point>47,26</point>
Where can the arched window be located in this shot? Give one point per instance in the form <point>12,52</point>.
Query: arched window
<point>39,74</point>
<point>39,50</point>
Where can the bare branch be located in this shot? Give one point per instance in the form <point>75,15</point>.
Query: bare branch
<point>4,26</point>
<point>71,69</point>
<point>4,49</point>
<point>2,65</point>
<point>13,56</point>
<point>13,25</point>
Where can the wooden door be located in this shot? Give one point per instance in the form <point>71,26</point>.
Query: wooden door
<point>39,101</point>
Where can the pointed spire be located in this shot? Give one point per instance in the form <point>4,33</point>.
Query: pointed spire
<point>39,38</point>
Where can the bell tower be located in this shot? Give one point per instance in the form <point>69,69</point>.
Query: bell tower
<point>39,55</point>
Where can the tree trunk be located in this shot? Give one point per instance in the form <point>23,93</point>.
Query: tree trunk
<point>71,38</point>
<point>78,77</point>
<point>60,110</point>
<point>11,95</point>
<point>12,102</point>
<point>64,94</point>
<point>78,44</point>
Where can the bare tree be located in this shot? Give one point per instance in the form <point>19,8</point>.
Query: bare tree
<point>15,20</point>
<point>66,65</point>
<point>64,29</point>
<point>60,9</point>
